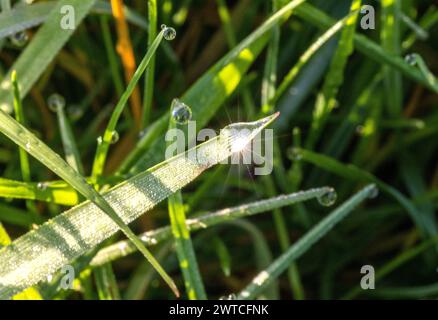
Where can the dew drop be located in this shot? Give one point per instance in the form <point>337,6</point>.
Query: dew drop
<point>181,113</point>
<point>55,102</point>
<point>169,33</point>
<point>74,112</point>
<point>411,59</point>
<point>328,199</point>
<point>42,186</point>
<point>19,39</point>
<point>229,297</point>
<point>374,192</point>
<point>27,146</point>
<point>99,140</point>
<point>114,137</point>
<point>294,154</point>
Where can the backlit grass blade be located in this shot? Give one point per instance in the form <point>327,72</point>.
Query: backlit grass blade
<point>265,278</point>
<point>209,92</point>
<point>41,252</point>
<point>104,144</point>
<point>154,237</point>
<point>348,171</point>
<point>35,147</point>
<point>326,99</point>
<point>43,48</point>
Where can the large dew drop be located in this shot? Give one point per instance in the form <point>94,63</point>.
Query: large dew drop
<point>55,102</point>
<point>180,112</point>
<point>114,137</point>
<point>328,199</point>
<point>169,33</point>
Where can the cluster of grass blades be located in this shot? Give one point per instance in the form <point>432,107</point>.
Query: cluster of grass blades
<point>90,104</point>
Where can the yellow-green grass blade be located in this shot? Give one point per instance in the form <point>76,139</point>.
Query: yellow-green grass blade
<point>41,252</point>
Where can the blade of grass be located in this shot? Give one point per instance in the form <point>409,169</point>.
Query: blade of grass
<point>103,146</point>
<point>391,42</point>
<point>18,217</point>
<point>326,99</point>
<point>106,283</point>
<point>265,278</point>
<point>43,251</point>
<point>424,223</point>
<point>150,72</point>
<point>41,51</point>
<point>19,116</point>
<point>126,52</point>
<point>35,147</point>
<point>183,242</point>
<point>154,237</point>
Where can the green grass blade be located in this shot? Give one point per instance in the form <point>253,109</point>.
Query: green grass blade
<point>391,42</point>
<point>426,226</point>
<point>154,237</point>
<point>104,144</point>
<point>106,283</point>
<point>18,217</point>
<point>326,99</point>
<point>263,279</point>
<point>43,48</point>
<point>150,72</point>
<point>71,151</point>
<point>19,116</point>
<point>43,251</point>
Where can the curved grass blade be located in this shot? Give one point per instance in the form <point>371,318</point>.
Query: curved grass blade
<point>425,224</point>
<point>154,237</point>
<point>40,252</point>
<point>103,145</point>
<point>265,278</point>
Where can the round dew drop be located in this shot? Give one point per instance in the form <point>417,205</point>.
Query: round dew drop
<point>55,102</point>
<point>374,192</point>
<point>328,199</point>
<point>180,112</point>
<point>114,137</point>
<point>411,59</point>
<point>169,33</point>
<point>19,39</point>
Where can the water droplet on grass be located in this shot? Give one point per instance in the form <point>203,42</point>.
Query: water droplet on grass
<point>114,137</point>
<point>181,113</point>
<point>42,186</point>
<point>169,33</point>
<point>55,102</point>
<point>411,59</point>
<point>374,192</point>
<point>328,199</point>
<point>19,39</point>
<point>294,154</point>
<point>27,146</point>
<point>74,112</point>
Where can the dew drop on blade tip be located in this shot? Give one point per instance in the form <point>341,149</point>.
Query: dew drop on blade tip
<point>328,198</point>
<point>19,39</point>
<point>169,33</point>
<point>55,102</point>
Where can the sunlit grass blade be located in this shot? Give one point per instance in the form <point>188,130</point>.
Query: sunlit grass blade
<point>40,252</point>
<point>264,278</point>
<point>110,131</point>
<point>348,171</point>
<point>35,147</point>
<point>326,100</point>
<point>210,91</point>
<point>154,237</point>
